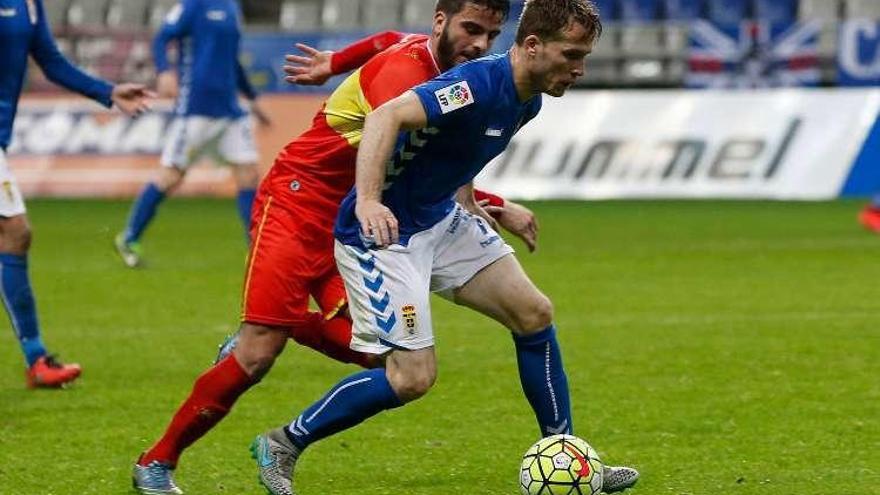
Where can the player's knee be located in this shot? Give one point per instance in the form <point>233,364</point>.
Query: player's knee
<point>257,349</point>
<point>21,240</point>
<point>255,362</point>
<point>410,386</point>
<point>168,179</point>
<point>262,363</point>
<point>413,388</point>
<point>534,316</point>
<point>16,235</point>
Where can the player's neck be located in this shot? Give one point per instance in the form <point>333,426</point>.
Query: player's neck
<point>435,57</point>
<point>522,80</point>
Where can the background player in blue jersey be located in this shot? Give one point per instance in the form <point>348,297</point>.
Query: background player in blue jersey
<point>24,31</point>
<point>401,235</point>
<point>208,118</point>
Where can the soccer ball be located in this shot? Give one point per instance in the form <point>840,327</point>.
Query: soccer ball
<point>560,465</point>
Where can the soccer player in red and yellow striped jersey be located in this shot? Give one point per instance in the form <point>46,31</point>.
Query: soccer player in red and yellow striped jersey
<point>297,201</point>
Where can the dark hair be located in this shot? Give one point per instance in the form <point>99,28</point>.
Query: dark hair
<point>548,18</point>
<point>452,7</point>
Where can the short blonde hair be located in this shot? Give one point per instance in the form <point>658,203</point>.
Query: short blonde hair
<point>547,19</point>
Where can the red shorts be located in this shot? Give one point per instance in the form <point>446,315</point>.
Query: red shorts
<point>291,259</point>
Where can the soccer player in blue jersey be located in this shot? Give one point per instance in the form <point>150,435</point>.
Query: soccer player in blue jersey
<point>401,235</point>
<point>24,31</point>
<point>208,118</point>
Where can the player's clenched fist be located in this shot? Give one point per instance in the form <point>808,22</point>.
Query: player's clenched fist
<point>377,222</point>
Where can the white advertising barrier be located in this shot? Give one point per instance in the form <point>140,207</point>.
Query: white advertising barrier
<point>778,144</point>
<point>72,147</point>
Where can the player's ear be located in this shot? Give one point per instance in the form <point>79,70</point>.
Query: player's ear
<point>532,44</point>
<point>440,21</point>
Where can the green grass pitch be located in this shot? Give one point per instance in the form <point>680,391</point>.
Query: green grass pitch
<point>720,347</point>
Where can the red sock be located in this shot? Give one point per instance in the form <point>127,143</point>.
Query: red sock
<point>330,337</point>
<point>337,340</point>
<point>308,332</point>
<point>213,395</point>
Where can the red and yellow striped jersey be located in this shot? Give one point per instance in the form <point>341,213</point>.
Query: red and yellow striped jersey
<point>320,163</point>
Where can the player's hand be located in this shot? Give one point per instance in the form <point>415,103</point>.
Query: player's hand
<point>166,84</point>
<point>518,220</point>
<point>377,222</point>
<point>132,99</point>
<point>479,209</point>
<point>260,114</point>
<point>311,69</point>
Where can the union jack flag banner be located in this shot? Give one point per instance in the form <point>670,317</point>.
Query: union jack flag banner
<point>754,54</point>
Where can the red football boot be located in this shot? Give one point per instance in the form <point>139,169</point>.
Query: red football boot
<point>47,372</point>
<point>870,218</point>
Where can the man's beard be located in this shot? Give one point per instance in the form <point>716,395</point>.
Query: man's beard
<point>445,50</point>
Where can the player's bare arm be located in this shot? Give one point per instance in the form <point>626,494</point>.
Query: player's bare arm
<point>166,84</point>
<point>380,133</point>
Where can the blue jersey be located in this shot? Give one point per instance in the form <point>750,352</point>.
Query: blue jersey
<point>473,112</point>
<point>24,31</point>
<point>208,33</point>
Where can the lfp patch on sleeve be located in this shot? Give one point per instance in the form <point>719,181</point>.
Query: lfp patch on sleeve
<point>454,96</point>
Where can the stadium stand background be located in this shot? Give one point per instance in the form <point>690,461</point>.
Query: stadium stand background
<point>644,44</point>
<point>765,131</point>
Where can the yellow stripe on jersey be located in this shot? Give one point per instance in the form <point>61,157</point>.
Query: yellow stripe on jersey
<point>347,108</point>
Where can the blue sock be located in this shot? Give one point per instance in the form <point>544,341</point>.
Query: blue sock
<point>543,380</point>
<point>143,211</point>
<point>18,298</point>
<point>245,201</point>
<point>350,402</point>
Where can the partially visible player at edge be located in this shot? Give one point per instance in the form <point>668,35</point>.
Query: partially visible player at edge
<point>291,256</point>
<point>400,235</point>
<point>25,31</point>
<point>870,215</point>
<point>208,118</point>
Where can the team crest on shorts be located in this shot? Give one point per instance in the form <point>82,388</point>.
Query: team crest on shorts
<point>409,317</point>
<point>7,188</point>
